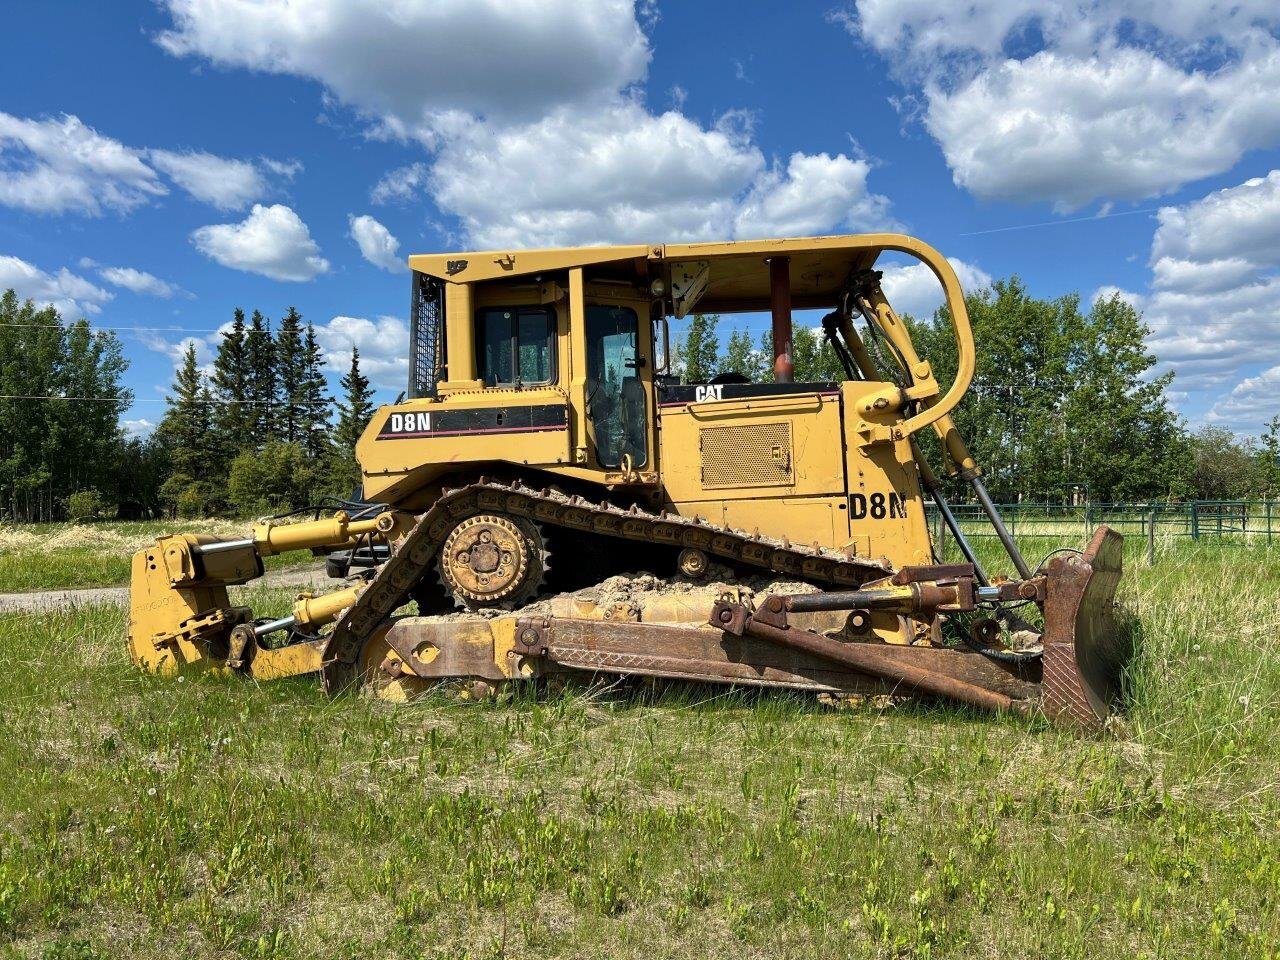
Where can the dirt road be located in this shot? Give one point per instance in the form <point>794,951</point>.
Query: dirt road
<point>301,577</point>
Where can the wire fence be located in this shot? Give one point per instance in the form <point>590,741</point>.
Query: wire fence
<point>1246,522</point>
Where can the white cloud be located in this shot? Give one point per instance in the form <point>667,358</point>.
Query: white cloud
<point>928,31</point>
<point>139,281</point>
<point>1131,297</point>
<point>1241,222</point>
<point>1251,403</point>
<point>285,169</point>
<point>225,183</point>
<point>272,241</point>
<point>412,65</point>
<point>63,166</point>
<point>634,177</point>
<point>383,344</point>
<point>1205,277</point>
<point>71,295</point>
<point>138,428</point>
<point>1212,306</point>
<point>376,243</point>
<point>815,193</point>
<point>401,184</point>
<point>1125,124</point>
<point>913,289</point>
<point>206,348</point>
<point>637,177</point>
<point>1076,101</point>
<point>530,112</point>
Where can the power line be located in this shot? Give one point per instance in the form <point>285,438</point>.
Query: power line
<point>20,396</point>
<point>60,326</point>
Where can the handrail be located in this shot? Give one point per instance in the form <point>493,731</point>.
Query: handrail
<point>966,354</point>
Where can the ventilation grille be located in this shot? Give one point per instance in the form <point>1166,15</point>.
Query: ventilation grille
<point>756,455</point>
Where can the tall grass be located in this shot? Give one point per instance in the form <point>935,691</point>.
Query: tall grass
<point>54,556</point>
<point>152,818</point>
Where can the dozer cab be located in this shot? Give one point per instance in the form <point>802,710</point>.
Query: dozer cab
<point>547,440</point>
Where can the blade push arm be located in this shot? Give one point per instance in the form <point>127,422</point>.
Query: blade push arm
<point>179,610</point>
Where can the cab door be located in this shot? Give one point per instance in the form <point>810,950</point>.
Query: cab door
<point>619,385</point>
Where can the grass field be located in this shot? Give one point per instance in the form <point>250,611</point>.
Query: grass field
<point>50,556</point>
<point>152,818</point>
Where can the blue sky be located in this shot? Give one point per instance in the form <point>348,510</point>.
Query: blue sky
<point>164,162</point>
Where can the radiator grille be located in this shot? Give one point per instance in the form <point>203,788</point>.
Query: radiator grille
<point>754,455</point>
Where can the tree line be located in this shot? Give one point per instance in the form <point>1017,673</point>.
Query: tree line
<point>1063,406</point>
<point>257,432</point>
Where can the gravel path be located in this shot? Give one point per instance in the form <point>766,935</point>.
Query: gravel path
<point>56,599</point>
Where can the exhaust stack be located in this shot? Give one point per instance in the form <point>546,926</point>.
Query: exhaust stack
<point>780,305</point>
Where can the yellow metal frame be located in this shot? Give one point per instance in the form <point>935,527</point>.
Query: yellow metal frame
<point>852,481</point>
<point>509,264</point>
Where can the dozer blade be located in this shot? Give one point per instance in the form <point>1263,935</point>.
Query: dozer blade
<point>1085,649</point>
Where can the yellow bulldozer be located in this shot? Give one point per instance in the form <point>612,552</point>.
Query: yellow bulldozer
<point>547,440</point>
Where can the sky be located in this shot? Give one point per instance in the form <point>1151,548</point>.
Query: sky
<point>163,162</point>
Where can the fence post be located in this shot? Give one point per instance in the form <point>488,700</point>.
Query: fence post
<point>1088,521</point>
<point>1151,540</point>
<point>1268,521</point>
<point>1195,519</point>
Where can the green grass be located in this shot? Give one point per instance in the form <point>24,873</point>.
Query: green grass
<point>51,556</point>
<point>150,818</point>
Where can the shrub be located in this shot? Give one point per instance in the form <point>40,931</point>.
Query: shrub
<point>198,499</point>
<point>85,505</point>
<point>279,477</point>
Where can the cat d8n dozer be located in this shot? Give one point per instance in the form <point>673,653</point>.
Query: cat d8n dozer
<point>548,441</point>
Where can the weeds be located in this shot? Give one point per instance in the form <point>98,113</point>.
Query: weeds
<point>147,818</point>
<point>56,556</point>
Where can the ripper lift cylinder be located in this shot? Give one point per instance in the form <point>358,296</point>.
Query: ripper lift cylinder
<point>780,306</point>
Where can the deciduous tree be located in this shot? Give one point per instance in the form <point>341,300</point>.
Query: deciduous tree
<point>697,351</point>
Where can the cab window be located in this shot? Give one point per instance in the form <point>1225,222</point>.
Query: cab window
<point>516,345</point>
<point>615,394</point>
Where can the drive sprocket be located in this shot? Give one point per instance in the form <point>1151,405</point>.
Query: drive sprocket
<point>492,560</point>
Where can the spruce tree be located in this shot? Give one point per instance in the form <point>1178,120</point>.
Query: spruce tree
<point>291,375</point>
<point>315,399</point>
<point>232,413</point>
<point>262,390</point>
<point>185,426</point>
<point>355,408</point>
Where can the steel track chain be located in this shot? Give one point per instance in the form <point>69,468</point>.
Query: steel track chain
<point>412,555</point>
